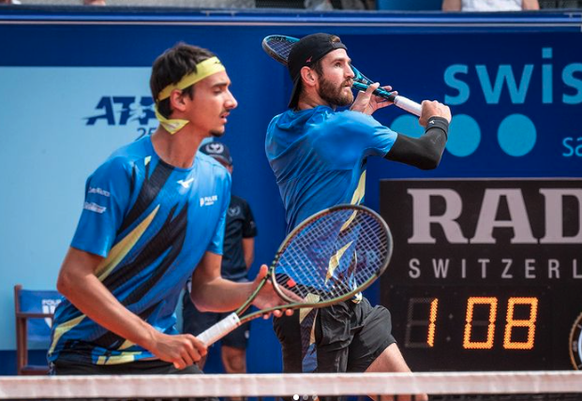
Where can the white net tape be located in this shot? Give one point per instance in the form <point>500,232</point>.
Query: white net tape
<point>263,385</point>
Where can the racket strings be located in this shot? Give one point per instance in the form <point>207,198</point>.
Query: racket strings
<point>329,259</point>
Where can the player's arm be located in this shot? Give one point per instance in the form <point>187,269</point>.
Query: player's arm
<point>211,293</point>
<point>248,248</point>
<point>79,284</point>
<point>424,152</point>
<point>249,231</point>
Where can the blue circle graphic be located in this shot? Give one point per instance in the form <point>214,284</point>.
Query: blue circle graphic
<point>407,125</point>
<point>516,135</point>
<point>464,136</point>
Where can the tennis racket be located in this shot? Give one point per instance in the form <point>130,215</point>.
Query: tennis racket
<point>330,257</point>
<point>278,48</point>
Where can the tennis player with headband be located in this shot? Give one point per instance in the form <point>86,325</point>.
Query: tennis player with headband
<point>153,216</point>
<point>318,155</point>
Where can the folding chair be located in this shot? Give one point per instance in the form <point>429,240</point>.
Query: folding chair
<point>34,310</point>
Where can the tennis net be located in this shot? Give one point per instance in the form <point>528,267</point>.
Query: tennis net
<point>457,386</point>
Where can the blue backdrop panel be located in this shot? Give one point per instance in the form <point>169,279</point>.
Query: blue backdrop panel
<point>75,87</point>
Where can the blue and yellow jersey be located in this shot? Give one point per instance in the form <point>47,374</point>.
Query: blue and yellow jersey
<point>152,223</point>
<point>319,157</point>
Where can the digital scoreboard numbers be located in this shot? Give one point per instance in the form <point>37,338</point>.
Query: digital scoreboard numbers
<point>486,274</point>
<point>466,328</point>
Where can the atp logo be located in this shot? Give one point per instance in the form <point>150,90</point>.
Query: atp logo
<point>122,110</point>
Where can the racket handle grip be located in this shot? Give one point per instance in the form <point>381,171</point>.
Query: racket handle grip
<point>219,330</point>
<point>399,101</point>
<point>409,105</point>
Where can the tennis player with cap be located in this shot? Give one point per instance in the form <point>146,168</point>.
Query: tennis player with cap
<point>318,155</point>
<point>153,216</point>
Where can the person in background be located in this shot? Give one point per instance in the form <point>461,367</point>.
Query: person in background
<point>490,5</point>
<point>237,257</point>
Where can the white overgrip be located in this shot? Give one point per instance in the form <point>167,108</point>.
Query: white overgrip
<point>219,330</point>
<point>409,105</point>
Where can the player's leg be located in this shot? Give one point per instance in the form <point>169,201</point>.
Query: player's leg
<point>374,348</point>
<point>290,331</point>
<point>234,359</point>
<point>233,349</point>
<point>391,360</point>
<point>315,341</point>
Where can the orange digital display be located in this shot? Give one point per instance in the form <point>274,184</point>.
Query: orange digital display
<point>474,302</point>
<point>489,322</point>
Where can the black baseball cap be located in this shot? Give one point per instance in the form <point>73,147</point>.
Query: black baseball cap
<point>217,150</point>
<point>307,51</point>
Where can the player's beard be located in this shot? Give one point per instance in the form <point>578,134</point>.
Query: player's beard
<point>334,95</point>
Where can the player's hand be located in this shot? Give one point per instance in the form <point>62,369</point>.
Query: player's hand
<point>367,103</point>
<point>433,109</point>
<point>182,350</point>
<point>267,297</point>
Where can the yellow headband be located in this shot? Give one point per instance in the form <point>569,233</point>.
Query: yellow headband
<point>204,69</point>
<point>171,125</point>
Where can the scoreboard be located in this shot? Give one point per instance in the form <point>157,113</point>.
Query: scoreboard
<point>486,274</point>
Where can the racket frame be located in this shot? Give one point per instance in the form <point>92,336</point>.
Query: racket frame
<point>298,305</point>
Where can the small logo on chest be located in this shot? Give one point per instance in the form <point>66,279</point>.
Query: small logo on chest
<point>186,184</point>
<point>208,200</point>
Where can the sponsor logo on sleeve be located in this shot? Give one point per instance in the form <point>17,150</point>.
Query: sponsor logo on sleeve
<point>99,191</point>
<point>93,207</point>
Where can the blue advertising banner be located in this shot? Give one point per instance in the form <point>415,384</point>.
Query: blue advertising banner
<point>74,87</point>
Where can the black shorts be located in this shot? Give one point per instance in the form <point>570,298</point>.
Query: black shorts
<point>348,338</point>
<point>195,322</point>
<point>140,367</point>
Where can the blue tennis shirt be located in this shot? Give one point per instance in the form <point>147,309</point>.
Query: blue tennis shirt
<point>152,223</point>
<point>319,156</point>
